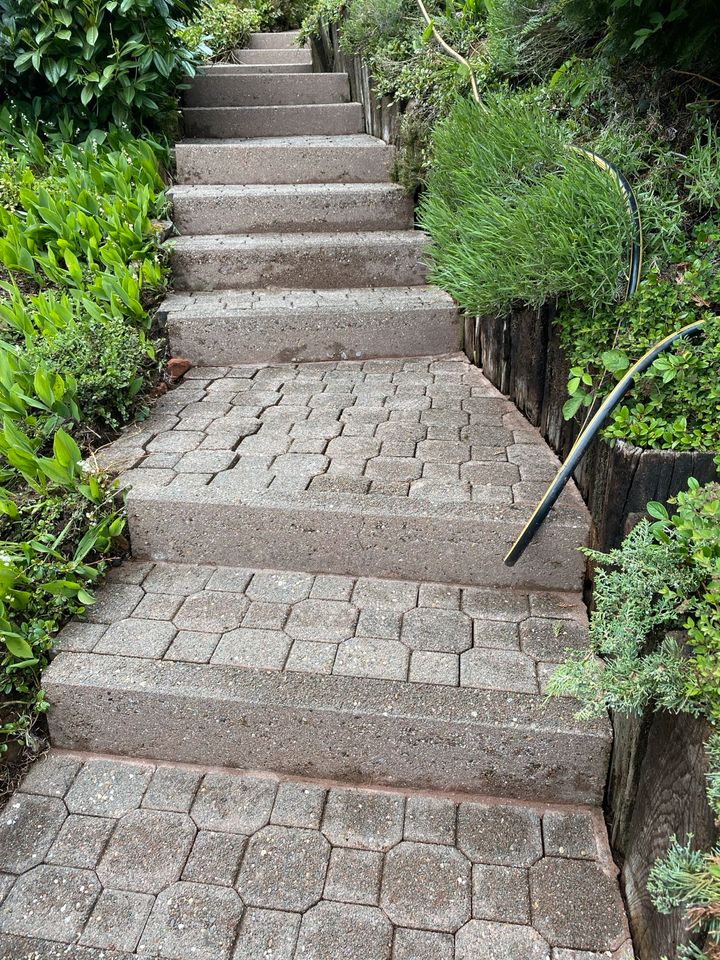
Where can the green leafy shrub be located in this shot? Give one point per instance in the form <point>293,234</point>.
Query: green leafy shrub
<point>82,268</point>
<point>221,27</point>
<point>514,215</point>
<point>107,360</point>
<point>96,61</point>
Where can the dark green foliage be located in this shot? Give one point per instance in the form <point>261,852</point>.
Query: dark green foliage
<point>95,61</point>
<point>107,359</point>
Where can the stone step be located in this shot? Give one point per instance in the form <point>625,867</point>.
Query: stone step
<point>417,469</point>
<point>245,326</point>
<point>282,39</point>
<point>282,160</point>
<point>313,119</point>
<point>272,89</point>
<point>125,858</point>
<point>328,260</point>
<point>272,55</point>
<point>236,69</point>
<point>376,681</point>
<point>291,208</point>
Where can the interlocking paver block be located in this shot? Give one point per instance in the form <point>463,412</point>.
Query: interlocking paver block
<point>108,788</point>
<point>262,615</point>
<point>190,646</point>
<point>6,882</point>
<point>354,876</point>
<point>363,932</point>
<point>549,640</point>
<point>118,920</point>
<point>368,657</point>
<point>422,945</point>
<point>500,893</point>
<point>496,833</point>
<point>255,649</point>
<point>438,668</point>
<point>443,631</point>
<point>426,886</point>
<point>284,868</point>
<point>233,804</point>
<point>379,623</point>
<point>29,825</point>
<point>495,604</point>
<point>307,656</point>
<point>496,633</point>
<point>229,579</point>
<point>490,669</point>
<point>569,835</point>
<point>81,841</point>
<point>52,903</point>
<point>137,638</point>
<point>116,602</point>
<point>193,920</point>
<point>79,637</point>
<point>280,587</point>
<point>322,621</point>
<point>358,818</point>
<point>147,851</point>
<point>575,904</point>
<point>173,789</point>
<point>298,805</point>
<point>430,820</point>
<point>485,940</point>
<point>439,595</point>
<point>215,858</point>
<point>329,587</point>
<point>267,935</point>
<point>385,595</point>
<point>158,606</point>
<point>212,611</point>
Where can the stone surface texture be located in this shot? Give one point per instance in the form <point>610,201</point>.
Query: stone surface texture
<point>224,881</point>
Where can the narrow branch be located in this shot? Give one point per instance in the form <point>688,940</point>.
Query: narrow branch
<point>450,51</point>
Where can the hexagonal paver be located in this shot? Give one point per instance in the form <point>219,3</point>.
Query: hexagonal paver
<point>390,595</point>
<point>284,868</point>
<point>363,932</point>
<point>569,835</point>
<point>496,833</point>
<point>147,851</point>
<point>487,669</point>
<point>51,903</point>
<point>354,876</point>
<point>500,893</point>
<point>357,818</point>
<point>193,920</point>
<point>212,612</point>
<point>233,804</point>
<point>430,628</point>
<point>426,886</point>
<point>267,935</point>
<point>484,940</point>
<point>369,657</point>
<point>81,841</point>
<point>108,788</point>
<point>28,828</point>
<point>576,905</point>
<point>51,776</point>
<point>495,604</point>
<point>280,587</point>
<point>323,621</point>
<point>215,858</point>
<point>423,945</point>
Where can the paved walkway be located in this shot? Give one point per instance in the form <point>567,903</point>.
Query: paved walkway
<point>322,689</point>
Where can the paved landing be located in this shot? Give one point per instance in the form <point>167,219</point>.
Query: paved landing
<point>349,468</point>
<point>106,858</point>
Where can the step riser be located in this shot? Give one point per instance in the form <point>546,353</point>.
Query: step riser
<point>238,69</point>
<point>336,119</point>
<point>173,712</point>
<point>443,549</point>
<point>290,212</point>
<point>283,39</point>
<point>235,164</point>
<point>272,55</point>
<point>271,90</point>
<point>306,334</point>
<point>304,266</point>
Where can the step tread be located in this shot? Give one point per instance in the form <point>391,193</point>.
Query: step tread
<point>361,299</point>
<point>290,191</point>
<point>266,89</point>
<point>329,142</point>
<point>245,326</point>
<point>310,241</point>
<point>252,863</point>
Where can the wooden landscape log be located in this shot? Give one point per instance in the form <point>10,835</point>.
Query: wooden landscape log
<point>660,792</point>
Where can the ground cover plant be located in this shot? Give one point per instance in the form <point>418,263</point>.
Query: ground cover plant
<point>82,271</point>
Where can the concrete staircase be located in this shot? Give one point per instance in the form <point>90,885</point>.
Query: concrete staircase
<point>316,604</point>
